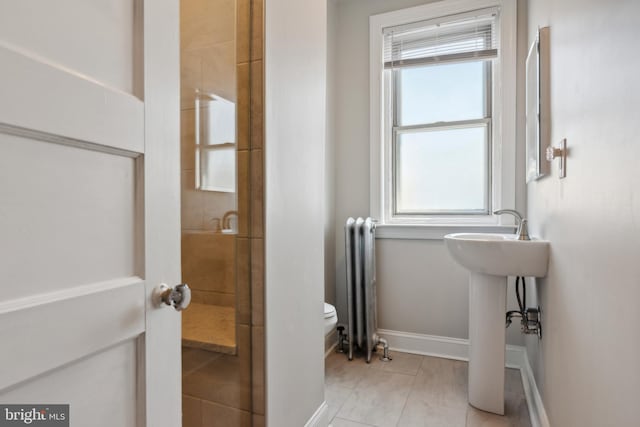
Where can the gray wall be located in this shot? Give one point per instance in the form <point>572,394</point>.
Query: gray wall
<point>295,89</point>
<point>330,158</point>
<point>586,365</point>
<point>420,287</point>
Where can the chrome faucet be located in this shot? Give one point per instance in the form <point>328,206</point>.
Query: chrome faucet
<point>523,229</point>
<point>226,219</point>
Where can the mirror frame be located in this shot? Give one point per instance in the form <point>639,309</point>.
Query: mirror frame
<point>537,106</point>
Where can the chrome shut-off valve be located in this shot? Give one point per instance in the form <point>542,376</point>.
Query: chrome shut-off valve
<point>532,324</point>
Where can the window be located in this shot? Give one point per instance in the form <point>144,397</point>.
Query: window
<point>443,113</point>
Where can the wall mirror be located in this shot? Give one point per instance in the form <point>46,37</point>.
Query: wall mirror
<point>537,106</point>
<point>215,133</point>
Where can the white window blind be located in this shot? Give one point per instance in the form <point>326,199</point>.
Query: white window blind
<point>471,35</point>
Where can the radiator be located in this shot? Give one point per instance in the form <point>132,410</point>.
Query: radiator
<point>361,288</point>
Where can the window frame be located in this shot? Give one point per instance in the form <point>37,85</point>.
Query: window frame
<point>501,192</point>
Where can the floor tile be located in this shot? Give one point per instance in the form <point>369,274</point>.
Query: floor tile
<point>478,418</point>
<point>339,422</point>
<point>400,363</point>
<point>413,391</point>
<point>378,400</point>
<point>214,414</point>
<point>438,396</point>
<point>335,396</point>
<point>343,372</point>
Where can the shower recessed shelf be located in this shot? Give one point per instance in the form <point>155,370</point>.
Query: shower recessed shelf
<point>209,327</point>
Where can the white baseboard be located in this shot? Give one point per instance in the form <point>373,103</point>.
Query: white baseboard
<point>534,400</point>
<point>458,349</point>
<point>320,418</point>
<point>330,350</point>
<point>428,345</point>
<point>330,342</point>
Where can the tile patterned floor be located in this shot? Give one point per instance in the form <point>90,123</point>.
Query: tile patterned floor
<point>412,391</point>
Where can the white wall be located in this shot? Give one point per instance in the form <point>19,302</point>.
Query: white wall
<point>586,365</point>
<point>330,158</point>
<point>295,72</point>
<point>420,288</point>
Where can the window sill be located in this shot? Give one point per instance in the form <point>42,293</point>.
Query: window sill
<point>435,232</point>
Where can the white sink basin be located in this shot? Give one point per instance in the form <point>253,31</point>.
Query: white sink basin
<point>490,258</point>
<point>499,254</point>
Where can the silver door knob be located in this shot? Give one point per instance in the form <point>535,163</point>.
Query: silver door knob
<point>178,297</point>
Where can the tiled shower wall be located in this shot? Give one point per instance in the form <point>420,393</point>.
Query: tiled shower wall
<point>220,389</point>
<point>208,33</point>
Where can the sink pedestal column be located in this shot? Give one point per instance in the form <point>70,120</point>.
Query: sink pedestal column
<point>487,308</point>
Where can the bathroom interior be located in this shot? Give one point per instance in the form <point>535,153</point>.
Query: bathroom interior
<point>426,308</point>
<point>388,212</point>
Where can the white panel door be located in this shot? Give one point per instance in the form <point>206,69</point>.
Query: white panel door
<point>89,208</point>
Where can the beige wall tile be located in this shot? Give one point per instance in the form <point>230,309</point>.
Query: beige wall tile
<point>214,414</point>
<point>216,204</point>
<point>243,31</point>
<point>257,194</point>
<point>257,282</point>
<point>257,369</point>
<point>243,193</point>
<point>243,284</point>
<point>219,70</point>
<point>257,29</point>
<point>191,203</point>
<point>191,412</point>
<point>257,105</point>
<point>215,54</point>
<point>208,261</point>
<point>206,22</point>
<point>190,78</point>
<point>187,140</point>
<point>226,380</point>
<point>243,107</point>
<point>258,421</point>
<point>257,208</point>
<point>195,358</point>
<point>213,298</point>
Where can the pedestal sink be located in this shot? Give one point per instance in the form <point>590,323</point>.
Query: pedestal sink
<point>490,259</point>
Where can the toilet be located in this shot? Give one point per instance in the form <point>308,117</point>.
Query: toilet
<point>330,321</point>
<point>330,318</point>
